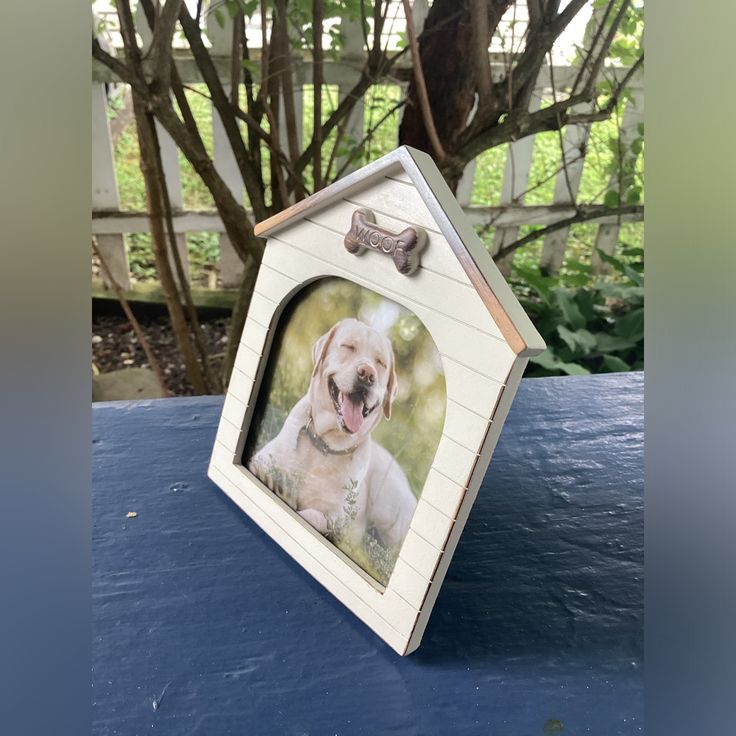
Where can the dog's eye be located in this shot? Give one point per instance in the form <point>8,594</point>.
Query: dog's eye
<point>347,345</point>
<point>380,362</point>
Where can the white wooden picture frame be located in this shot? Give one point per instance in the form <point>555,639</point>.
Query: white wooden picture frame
<point>484,339</point>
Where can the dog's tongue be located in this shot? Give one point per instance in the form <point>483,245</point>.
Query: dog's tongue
<point>352,414</point>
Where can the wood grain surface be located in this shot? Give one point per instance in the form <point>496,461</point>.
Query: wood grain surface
<point>537,629</point>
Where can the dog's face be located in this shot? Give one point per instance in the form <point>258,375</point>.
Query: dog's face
<point>354,378</point>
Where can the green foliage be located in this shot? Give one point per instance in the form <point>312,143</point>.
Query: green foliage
<point>601,162</point>
<point>300,21</point>
<point>203,250</point>
<point>596,328</point>
<point>613,174</point>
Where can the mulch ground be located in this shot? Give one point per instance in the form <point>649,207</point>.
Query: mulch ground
<point>115,346</point>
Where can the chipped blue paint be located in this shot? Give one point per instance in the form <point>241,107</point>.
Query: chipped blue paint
<point>538,628</point>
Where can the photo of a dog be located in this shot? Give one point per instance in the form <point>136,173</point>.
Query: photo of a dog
<point>329,449</point>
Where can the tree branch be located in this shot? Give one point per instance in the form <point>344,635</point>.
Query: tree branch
<point>317,75</point>
<point>280,35</point>
<point>134,323</point>
<point>580,216</point>
<point>481,34</point>
<point>160,50</point>
<point>119,69</point>
<point>521,123</point>
<point>235,58</point>
<point>421,84</point>
<point>593,44</point>
<point>541,39</point>
<point>607,41</point>
<point>605,112</point>
<point>252,177</point>
<point>354,154</point>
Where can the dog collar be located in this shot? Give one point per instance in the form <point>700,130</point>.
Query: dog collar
<point>320,444</point>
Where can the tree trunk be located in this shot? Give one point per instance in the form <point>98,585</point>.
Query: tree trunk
<point>154,196</point>
<point>448,71</point>
<point>452,70</point>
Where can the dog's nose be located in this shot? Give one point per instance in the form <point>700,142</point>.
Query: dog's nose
<point>366,374</point>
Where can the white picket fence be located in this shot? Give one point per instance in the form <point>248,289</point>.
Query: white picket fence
<point>109,223</point>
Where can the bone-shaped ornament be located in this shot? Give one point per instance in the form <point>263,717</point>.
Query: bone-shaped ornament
<point>404,247</point>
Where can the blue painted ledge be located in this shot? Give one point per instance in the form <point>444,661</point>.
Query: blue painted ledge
<point>537,630</point>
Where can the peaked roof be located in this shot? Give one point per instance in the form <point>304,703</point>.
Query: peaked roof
<point>509,315</point>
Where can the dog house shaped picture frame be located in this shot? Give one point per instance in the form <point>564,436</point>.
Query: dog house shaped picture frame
<point>380,355</point>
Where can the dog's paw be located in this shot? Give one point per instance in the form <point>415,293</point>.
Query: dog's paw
<point>316,518</point>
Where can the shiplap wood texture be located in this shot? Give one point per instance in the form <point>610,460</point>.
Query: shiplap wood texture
<point>306,243</point>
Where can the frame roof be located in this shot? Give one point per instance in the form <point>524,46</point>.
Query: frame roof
<point>513,322</point>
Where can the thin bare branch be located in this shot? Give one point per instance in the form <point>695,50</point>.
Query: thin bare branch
<point>235,59</point>
<point>593,43</point>
<point>251,175</point>
<point>605,45</point>
<point>160,50</point>
<point>421,84</point>
<point>524,123</point>
<point>183,283</point>
<point>153,179</point>
<point>481,34</point>
<point>317,79</point>
<point>561,140</point>
<point>354,154</point>
<point>280,34</point>
<point>580,216</point>
<point>265,52</point>
<point>606,111</point>
<point>134,323</point>
<point>540,40</point>
<point>121,70</point>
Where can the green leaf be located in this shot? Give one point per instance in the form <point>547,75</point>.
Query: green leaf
<point>635,276</point>
<point>541,284</point>
<point>611,260</point>
<point>633,196</point>
<point>615,364</point>
<point>570,311</point>
<point>613,343</point>
<point>575,265</point>
<point>633,252</point>
<point>568,336</point>
<point>585,338</point>
<point>611,199</point>
<point>581,342</point>
<point>631,325</point>
<point>633,295</point>
<point>586,301</point>
<point>219,17</point>
<point>551,363</point>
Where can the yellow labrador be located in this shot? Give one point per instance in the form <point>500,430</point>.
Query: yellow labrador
<point>323,462</point>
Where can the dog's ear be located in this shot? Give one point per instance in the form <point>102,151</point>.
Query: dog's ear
<point>391,388</point>
<point>320,347</point>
